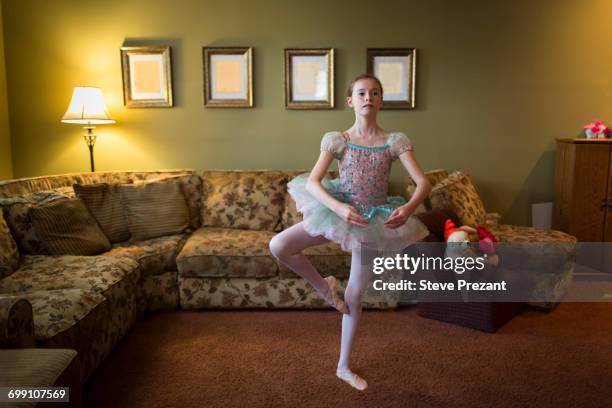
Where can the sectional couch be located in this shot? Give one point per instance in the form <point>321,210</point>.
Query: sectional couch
<point>220,260</point>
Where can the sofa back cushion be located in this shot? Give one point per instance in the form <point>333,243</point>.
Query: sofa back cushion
<point>191,186</point>
<point>243,199</point>
<point>104,203</point>
<point>436,176</point>
<point>433,176</point>
<point>9,255</point>
<point>458,194</point>
<point>67,228</point>
<point>24,186</point>
<point>154,209</point>
<point>17,215</point>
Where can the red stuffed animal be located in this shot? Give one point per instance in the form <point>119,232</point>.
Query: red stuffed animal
<point>486,244</point>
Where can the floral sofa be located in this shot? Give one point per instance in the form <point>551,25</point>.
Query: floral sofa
<point>221,260</point>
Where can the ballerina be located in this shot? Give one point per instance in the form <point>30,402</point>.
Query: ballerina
<point>353,210</point>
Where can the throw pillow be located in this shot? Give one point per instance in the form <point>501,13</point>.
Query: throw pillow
<point>191,186</point>
<point>251,200</point>
<point>17,215</point>
<point>458,194</point>
<point>154,209</point>
<point>104,203</point>
<point>67,228</point>
<point>434,177</point>
<point>9,256</point>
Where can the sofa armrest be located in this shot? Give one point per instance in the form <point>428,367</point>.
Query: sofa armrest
<point>16,323</point>
<point>492,219</point>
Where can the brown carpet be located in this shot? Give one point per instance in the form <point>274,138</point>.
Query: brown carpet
<point>287,359</point>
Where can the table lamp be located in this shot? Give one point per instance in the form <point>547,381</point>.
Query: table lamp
<point>87,108</point>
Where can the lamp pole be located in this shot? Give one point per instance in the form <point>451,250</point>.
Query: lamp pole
<point>90,140</point>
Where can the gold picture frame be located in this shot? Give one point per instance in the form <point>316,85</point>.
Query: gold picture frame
<point>147,76</point>
<point>309,78</point>
<point>228,77</point>
<point>396,69</point>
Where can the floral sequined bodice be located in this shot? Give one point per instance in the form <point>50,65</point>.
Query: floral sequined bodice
<point>364,174</point>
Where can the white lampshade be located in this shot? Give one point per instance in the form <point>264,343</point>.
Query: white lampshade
<point>87,107</point>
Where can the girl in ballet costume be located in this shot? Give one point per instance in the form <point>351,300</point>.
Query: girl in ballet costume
<point>354,209</point>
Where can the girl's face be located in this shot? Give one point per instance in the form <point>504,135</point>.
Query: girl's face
<point>367,97</point>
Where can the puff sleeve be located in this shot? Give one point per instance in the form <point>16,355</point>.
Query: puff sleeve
<point>333,142</point>
<point>399,143</point>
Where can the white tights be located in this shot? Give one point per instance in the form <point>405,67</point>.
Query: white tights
<point>287,246</point>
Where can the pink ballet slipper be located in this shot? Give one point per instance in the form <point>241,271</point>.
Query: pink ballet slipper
<point>332,297</point>
<point>352,379</point>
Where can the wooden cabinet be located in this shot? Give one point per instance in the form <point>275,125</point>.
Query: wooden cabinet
<point>583,189</point>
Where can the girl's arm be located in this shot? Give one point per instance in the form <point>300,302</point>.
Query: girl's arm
<point>400,215</point>
<point>314,187</point>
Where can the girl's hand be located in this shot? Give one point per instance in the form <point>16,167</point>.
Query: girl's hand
<point>398,217</point>
<point>349,214</point>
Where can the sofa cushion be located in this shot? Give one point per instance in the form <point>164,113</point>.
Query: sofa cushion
<point>250,200</point>
<point>67,228</point>
<point>104,203</point>
<point>545,256</point>
<point>534,249</point>
<point>227,252</point>
<point>9,255</point>
<point>328,259</point>
<point>94,273</point>
<point>515,234</point>
<point>191,186</point>
<point>17,215</point>
<point>155,255</point>
<point>19,187</point>
<point>458,194</point>
<point>433,176</point>
<point>154,209</point>
<point>58,310</point>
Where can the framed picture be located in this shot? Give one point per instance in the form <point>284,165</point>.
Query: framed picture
<point>309,78</point>
<point>396,69</point>
<point>228,77</point>
<point>147,76</point>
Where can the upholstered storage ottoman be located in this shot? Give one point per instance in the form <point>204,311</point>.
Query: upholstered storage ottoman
<point>485,316</point>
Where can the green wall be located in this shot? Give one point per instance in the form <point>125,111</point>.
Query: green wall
<point>497,81</point>
<point>6,164</point>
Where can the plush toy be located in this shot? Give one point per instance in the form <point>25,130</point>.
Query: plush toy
<point>457,240</point>
<point>486,244</point>
<point>454,234</point>
<point>597,130</point>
